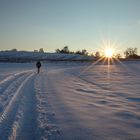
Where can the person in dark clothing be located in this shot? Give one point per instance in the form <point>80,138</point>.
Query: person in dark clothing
<point>38,65</point>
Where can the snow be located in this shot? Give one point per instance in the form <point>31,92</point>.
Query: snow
<point>70,101</point>
<point>15,56</point>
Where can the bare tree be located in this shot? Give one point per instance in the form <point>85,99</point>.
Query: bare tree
<point>14,50</point>
<point>97,54</point>
<point>57,50</point>
<point>41,50</point>
<point>35,50</point>
<point>131,52</point>
<point>118,56</point>
<point>84,52</point>
<point>65,49</point>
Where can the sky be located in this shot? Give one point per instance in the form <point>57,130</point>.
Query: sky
<point>79,24</point>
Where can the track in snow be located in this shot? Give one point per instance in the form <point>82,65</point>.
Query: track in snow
<point>11,102</point>
<point>70,102</point>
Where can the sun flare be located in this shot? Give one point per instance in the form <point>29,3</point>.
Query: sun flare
<point>108,52</point>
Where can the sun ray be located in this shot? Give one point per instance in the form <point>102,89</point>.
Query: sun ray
<point>91,66</point>
<point>125,67</point>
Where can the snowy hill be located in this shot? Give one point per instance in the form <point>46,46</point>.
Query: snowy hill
<point>31,56</point>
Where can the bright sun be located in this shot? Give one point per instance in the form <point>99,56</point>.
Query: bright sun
<point>108,52</point>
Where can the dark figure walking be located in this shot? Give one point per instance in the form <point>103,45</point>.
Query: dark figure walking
<point>38,65</point>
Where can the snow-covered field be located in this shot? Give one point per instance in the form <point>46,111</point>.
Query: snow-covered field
<point>70,101</point>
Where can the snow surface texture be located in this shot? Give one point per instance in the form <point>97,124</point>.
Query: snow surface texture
<point>70,101</point>
<point>26,56</point>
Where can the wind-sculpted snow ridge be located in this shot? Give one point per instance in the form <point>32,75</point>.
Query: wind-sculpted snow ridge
<point>70,101</point>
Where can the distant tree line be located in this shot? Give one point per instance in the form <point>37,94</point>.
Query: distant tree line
<point>15,50</point>
<point>66,50</point>
<point>129,53</point>
<point>40,50</point>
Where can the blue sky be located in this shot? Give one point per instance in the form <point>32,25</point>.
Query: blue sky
<point>80,24</point>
